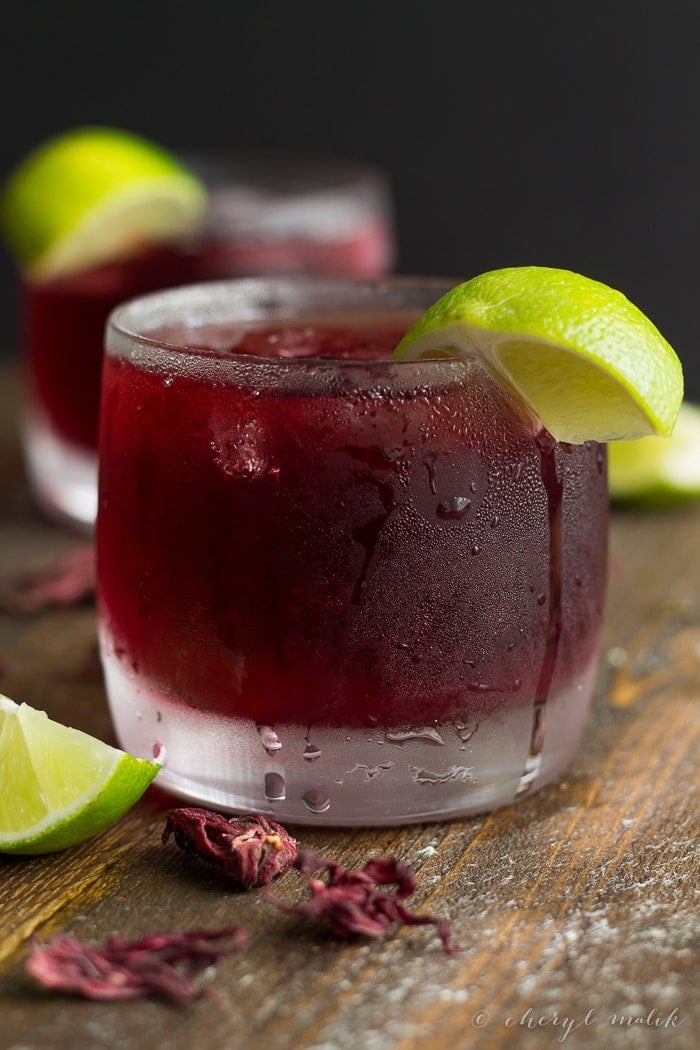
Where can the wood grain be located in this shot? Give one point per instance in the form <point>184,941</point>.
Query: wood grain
<point>573,908</point>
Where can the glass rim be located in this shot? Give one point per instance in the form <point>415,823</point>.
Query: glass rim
<point>266,193</point>
<point>252,300</point>
<point>293,170</point>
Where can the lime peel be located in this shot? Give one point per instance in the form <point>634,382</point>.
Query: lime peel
<point>60,786</point>
<point>586,361</point>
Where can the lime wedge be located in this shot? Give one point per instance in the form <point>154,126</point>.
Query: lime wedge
<point>91,196</point>
<point>580,356</point>
<point>658,469</point>
<point>58,786</point>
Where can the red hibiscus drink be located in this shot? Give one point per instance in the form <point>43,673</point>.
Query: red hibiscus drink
<point>336,588</point>
<point>266,215</point>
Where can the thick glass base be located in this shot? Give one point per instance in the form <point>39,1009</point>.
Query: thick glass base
<point>335,776</point>
<point>63,477</point>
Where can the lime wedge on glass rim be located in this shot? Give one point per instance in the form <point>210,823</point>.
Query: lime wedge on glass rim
<point>92,195</point>
<point>60,786</point>
<point>585,361</point>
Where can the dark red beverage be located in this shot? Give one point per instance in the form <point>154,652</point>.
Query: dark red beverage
<point>299,535</point>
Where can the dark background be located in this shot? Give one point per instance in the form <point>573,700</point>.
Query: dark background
<point>549,132</point>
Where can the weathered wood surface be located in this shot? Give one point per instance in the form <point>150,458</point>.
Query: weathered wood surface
<point>574,907</point>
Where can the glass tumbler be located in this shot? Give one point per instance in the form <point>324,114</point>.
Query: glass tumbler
<point>268,214</point>
<point>335,588</point>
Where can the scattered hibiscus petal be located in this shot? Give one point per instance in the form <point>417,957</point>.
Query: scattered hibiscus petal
<point>163,964</point>
<point>250,850</point>
<point>351,902</point>
<point>70,579</point>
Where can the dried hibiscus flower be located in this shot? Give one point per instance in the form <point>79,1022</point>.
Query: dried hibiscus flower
<point>250,850</point>
<point>351,902</point>
<point>71,579</point>
<point>159,964</point>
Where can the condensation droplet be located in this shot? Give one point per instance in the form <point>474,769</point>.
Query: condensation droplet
<point>269,739</point>
<point>455,508</point>
<point>456,774</point>
<point>275,789</point>
<point>430,460</point>
<point>311,752</point>
<point>476,549</point>
<point>316,800</point>
<point>394,736</point>
<point>160,753</point>
<point>600,458</point>
<point>541,598</point>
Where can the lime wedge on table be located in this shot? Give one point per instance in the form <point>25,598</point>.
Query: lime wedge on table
<point>59,786</point>
<point>580,355</point>
<point>658,469</point>
<point>90,196</point>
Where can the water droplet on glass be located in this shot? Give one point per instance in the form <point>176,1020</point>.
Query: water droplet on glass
<point>395,736</point>
<point>269,739</point>
<point>311,752</point>
<point>455,508</point>
<point>316,800</point>
<point>429,460</point>
<point>476,549</point>
<point>275,789</point>
<point>455,774</point>
<point>541,598</point>
<point>600,458</point>
<point>159,753</point>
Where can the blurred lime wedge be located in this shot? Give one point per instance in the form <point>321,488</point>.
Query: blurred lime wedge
<point>582,358</point>
<point>58,786</point>
<point>658,469</point>
<point>92,195</point>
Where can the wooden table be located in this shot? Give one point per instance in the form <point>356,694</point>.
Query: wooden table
<point>574,907</point>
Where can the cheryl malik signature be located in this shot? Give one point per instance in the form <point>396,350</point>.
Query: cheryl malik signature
<point>566,1024</point>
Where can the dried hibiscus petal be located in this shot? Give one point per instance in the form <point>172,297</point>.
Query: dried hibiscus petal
<point>71,579</point>
<point>250,850</point>
<point>159,964</point>
<point>351,902</point>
